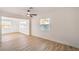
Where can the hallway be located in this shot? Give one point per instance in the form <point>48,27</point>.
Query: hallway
<point>20,42</point>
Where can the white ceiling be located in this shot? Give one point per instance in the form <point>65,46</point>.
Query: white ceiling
<point>21,11</point>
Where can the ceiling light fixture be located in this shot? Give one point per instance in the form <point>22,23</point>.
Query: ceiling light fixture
<point>29,12</point>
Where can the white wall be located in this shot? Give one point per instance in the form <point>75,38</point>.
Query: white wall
<point>64,26</point>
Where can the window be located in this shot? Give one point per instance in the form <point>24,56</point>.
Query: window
<point>6,24</point>
<point>45,24</point>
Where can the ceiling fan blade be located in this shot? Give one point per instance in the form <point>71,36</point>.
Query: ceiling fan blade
<point>34,14</point>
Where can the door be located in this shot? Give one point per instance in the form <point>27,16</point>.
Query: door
<point>24,27</point>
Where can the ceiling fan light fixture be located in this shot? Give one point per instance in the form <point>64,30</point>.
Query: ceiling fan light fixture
<point>29,13</point>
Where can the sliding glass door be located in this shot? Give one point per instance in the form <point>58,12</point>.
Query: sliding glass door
<point>24,27</point>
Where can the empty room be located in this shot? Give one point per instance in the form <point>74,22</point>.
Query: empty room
<point>39,29</point>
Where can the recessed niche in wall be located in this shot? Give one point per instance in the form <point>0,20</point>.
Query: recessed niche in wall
<point>45,24</point>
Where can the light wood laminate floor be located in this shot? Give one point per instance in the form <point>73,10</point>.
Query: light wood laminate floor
<point>21,42</point>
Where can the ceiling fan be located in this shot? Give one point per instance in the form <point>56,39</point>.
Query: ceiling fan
<point>29,14</point>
